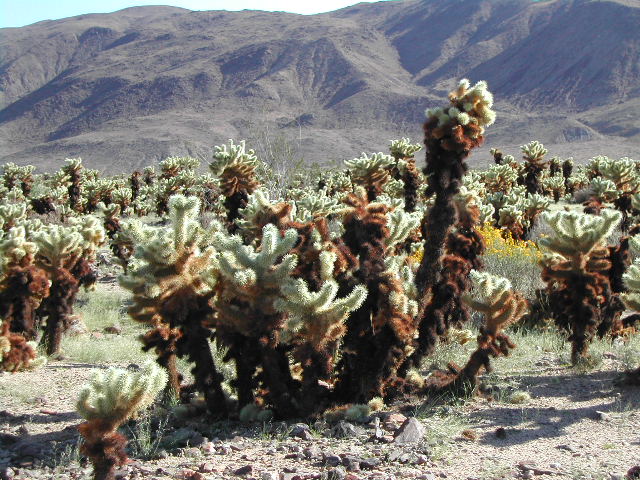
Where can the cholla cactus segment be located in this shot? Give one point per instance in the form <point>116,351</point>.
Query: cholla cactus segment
<point>117,394</point>
<point>315,204</point>
<point>172,166</point>
<point>500,178</point>
<point>533,151</point>
<point>92,232</point>
<point>246,266</point>
<point>622,173</point>
<point>493,296</point>
<point>404,148</point>
<point>631,299</point>
<point>58,246</point>
<point>487,212</point>
<point>364,165</point>
<point>471,105</point>
<point>232,154</point>
<point>12,214</point>
<point>578,233</point>
<point>401,224</point>
<point>317,317</point>
<point>604,190</point>
<point>535,204</point>
<point>15,246</point>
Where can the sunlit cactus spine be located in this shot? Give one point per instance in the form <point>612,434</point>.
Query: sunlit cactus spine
<point>172,286</point>
<point>106,402</point>
<point>575,268</point>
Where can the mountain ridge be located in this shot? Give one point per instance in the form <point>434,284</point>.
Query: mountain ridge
<point>140,84</point>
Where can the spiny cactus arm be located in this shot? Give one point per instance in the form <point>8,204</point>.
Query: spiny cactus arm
<point>401,224</point>
<point>15,246</point>
<point>365,165</point>
<point>58,246</point>
<point>318,317</point>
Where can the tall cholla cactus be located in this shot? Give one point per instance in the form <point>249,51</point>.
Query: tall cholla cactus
<point>72,170</point>
<point>631,300</point>
<point>371,172</point>
<point>23,285</point>
<point>235,165</point>
<point>315,325</point>
<point>66,254</point>
<point>533,154</point>
<point>403,152</point>
<point>450,134</point>
<point>249,283</point>
<point>171,291</point>
<point>18,176</point>
<point>111,398</point>
<point>464,247</point>
<point>624,175</point>
<point>575,270</point>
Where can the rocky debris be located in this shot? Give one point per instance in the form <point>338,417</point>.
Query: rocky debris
<point>345,429</point>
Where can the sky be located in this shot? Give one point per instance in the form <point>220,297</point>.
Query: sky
<point>17,13</point>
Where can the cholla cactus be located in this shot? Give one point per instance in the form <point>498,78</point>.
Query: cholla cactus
<point>72,171</point>
<point>15,352</point>
<point>533,154</point>
<point>66,254</point>
<point>371,172</point>
<point>106,403</point>
<point>602,191</point>
<point>173,166</point>
<point>404,149</point>
<point>235,165</point>
<point>23,286</point>
<point>18,176</point>
<point>556,185</point>
<point>500,178</point>
<point>624,174</point>
<point>11,215</point>
<point>575,269</point>
<point>172,285</point>
<point>315,325</point>
<point>512,218</point>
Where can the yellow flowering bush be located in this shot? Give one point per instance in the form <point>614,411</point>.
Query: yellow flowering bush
<point>500,242</point>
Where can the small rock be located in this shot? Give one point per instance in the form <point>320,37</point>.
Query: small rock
<point>332,460</point>
<point>344,430</point>
<point>301,430</point>
<point>568,448</point>
<point>337,473</point>
<point>501,432</point>
<point>634,473</point>
<point>410,432</point>
<point>602,416</point>
<point>369,463</point>
<point>426,476</point>
<point>246,470</point>
<point>312,452</point>
<point>113,329</point>
<point>207,467</point>
<point>268,476</point>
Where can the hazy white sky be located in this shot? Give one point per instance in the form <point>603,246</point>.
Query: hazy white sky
<point>17,13</point>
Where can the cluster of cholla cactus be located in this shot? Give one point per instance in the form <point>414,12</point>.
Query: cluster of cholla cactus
<point>41,269</point>
<point>576,265</point>
<point>106,402</point>
<point>335,290</point>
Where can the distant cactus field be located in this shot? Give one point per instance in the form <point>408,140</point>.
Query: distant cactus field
<point>332,295</point>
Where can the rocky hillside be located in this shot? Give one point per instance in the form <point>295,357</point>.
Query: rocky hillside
<point>126,89</point>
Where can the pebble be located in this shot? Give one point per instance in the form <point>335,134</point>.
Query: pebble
<point>246,470</point>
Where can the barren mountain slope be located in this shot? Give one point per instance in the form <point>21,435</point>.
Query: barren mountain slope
<point>129,88</point>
